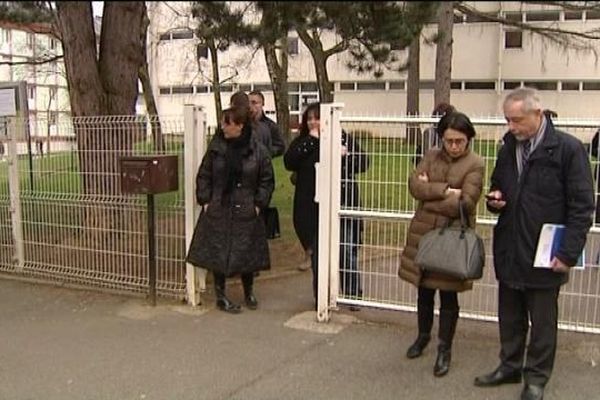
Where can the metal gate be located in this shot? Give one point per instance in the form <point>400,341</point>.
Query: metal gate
<point>386,207</point>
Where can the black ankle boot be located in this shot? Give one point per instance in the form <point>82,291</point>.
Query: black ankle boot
<point>223,303</point>
<point>416,349</point>
<point>249,298</point>
<point>442,362</point>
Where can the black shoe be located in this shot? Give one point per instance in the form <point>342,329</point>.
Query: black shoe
<point>498,377</point>
<point>251,302</point>
<point>442,362</point>
<point>416,349</point>
<point>532,392</point>
<point>224,304</point>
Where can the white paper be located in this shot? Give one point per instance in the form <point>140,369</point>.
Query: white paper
<point>548,245</point>
<point>8,108</point>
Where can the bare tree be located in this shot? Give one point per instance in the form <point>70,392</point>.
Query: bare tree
<point>443,55</point>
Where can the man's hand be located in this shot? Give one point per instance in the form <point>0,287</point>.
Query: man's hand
<point>494,199</point>
<point>257,210</point>
<point>559,266</point>
<point>423,177</point>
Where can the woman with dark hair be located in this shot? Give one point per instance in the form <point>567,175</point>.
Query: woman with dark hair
<point>234,183</point>
<point>301,157</point>
<point>444,177</point>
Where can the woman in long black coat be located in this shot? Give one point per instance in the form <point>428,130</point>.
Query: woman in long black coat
<point>234,183</point>
<point>301,157</point>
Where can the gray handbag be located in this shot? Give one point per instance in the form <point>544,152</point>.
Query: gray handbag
<point>456,251</point>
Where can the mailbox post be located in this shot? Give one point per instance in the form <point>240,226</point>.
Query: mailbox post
<point>149,175</point>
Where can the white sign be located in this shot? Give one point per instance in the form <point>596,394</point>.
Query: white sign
<point>8,108</point>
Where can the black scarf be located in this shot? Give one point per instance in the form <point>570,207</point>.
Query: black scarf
<point>236,148</point>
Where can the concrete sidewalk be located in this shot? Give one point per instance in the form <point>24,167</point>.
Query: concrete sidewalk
<point>63,344</point>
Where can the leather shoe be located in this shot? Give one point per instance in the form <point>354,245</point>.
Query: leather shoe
<point>498,377</point>
<point>532,392</point>
<point>251,302</point>
<point>224,304</point>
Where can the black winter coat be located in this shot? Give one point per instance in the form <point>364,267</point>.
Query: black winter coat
<point>555,187</point>
<point>230,237</point>
<point>301,157</point>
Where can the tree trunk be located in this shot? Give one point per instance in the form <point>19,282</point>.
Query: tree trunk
<point>278,73</point>
<point>144,76</point>
<point>216,79</point>
<point>414,76</point>
<point>319,57</point>
<point>443,57</point>
<point>412,90</point>
<point>102,84</point>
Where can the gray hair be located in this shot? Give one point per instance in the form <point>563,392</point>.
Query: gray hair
<point>529,97</point>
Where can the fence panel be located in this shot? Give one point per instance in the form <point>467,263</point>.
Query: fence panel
<point>386,207</point>
<point>6,237</point>
<point>78,227</point>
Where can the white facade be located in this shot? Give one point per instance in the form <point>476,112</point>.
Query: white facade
<point>48,98</point>
<point>487,62</point>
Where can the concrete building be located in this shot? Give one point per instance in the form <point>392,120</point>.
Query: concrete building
<point>25,46</point>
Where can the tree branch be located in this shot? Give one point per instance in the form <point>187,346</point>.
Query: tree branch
<point>560,36</point>
<point>33,62</point>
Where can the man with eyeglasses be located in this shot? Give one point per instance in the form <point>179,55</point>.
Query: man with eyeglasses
<point>542,176</point>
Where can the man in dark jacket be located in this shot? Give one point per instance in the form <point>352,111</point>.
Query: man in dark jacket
<point>264,127</point>
<point>542,176</point>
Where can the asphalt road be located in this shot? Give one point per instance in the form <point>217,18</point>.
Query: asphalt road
<point>58,343</point>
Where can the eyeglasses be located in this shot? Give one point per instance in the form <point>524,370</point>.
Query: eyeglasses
<point>454,142</point>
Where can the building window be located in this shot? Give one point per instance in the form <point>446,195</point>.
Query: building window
<point>226,88</point>
<point>294,102</point>
<point>570,85</point>
<point>593,14</point>
<point>485,17</point>
<point>397,85</point>
<point>31,92</point>
<point>264,87</point>
<point>532,16</point>
<point>570,15</point>
<point>164,36</point>
<point>456,85</point>
<point>292,45</point>
<point>370,85</point>
<point>202,89</point>
<point>30,40</point>
<point>426,85</point>
<point>245,88</point>
<point>513,39</point>
<point>510,85</point>
<point>182,35</point>
<point>541,85</point>
<point>459,18</point>
<point>164,90</point>
<point>480,85</point>
<point>52,44</point>
<point>182,89</point>
<point>53,117</point>
<point>201,51</point>
<point>346,85</point>
<point>591,85</point>
<point>309,87</point>
<point>514,16</point>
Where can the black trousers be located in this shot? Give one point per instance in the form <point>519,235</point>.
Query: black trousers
<point>516,309</point>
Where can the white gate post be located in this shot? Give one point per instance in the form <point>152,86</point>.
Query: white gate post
<point>328,175</point>
<point>15,194</point>
<point>194,148</point>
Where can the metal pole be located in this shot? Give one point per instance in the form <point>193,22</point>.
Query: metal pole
<point>151,252</point>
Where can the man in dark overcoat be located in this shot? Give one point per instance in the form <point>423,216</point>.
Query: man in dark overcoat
<point>542,176</point>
